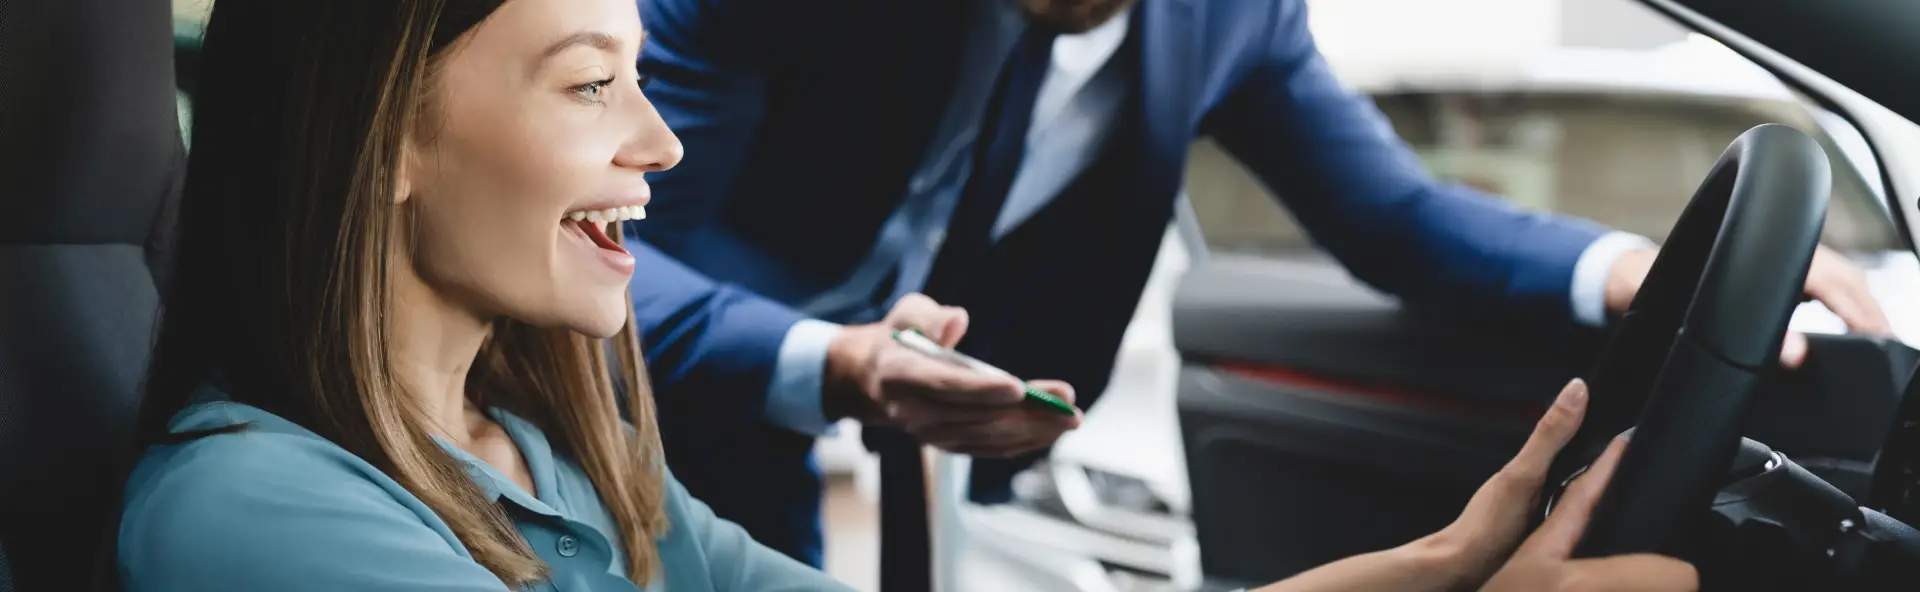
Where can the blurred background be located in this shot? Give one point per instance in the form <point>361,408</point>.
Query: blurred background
<point>1598,108</point>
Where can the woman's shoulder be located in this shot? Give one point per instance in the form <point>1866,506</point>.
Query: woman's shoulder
<point>251,500</point>
<point>241,448</point>
<point>263,464</point>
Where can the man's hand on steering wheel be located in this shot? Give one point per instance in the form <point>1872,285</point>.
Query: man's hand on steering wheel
<point>1832,279</point>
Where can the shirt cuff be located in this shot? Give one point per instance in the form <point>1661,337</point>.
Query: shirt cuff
<point>1589,290</point>
<point>793,394</point>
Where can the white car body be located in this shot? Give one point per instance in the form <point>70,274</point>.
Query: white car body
<point>1133,433</point>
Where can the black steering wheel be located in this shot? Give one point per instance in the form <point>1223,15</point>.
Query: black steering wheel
<point>1704,329</point>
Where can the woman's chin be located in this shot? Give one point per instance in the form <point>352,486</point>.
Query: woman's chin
<point>600,322</point>
<point>591,313</point>
<point>601,328</point>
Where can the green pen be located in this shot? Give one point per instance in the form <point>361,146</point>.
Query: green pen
<point>916,341</point>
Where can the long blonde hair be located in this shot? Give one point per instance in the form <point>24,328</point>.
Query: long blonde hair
<point>281,285</point>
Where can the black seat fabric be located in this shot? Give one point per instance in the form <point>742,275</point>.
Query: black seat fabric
<point>90,155</point>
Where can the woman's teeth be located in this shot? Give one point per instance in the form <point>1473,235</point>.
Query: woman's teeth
<point>619,214</point>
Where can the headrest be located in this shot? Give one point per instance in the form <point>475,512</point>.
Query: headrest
<point>90,146</point>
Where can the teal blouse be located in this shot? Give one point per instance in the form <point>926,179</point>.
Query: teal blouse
<point>277,507</point>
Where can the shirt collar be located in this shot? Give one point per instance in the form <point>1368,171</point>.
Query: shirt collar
<point>533,445</point>
<point>534,449</point>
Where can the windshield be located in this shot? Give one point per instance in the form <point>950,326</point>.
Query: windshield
<point>1629,162</point>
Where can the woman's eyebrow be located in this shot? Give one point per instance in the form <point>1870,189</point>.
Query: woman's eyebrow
<point>596,39</point>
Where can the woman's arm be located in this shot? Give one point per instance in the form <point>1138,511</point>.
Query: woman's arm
<point>1412,567</point>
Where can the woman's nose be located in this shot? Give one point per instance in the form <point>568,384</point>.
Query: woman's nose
<point>652,146</point>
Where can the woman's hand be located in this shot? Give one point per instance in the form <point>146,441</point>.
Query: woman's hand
<point>1481,541</point>
<point>1543,562</point>
<point>1479,547</point>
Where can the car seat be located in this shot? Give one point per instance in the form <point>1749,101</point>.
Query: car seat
<point>90,158</point>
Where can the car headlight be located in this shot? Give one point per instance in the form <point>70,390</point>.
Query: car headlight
<point>1034,489</point>
<point>1127,493</point>
<point>1136,538</point>
<point>1108,502</point>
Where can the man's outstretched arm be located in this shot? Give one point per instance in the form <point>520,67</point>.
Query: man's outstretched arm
<point>1364,196</point>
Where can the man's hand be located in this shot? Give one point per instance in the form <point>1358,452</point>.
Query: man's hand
<point>872,378</point>
<point>1831,279</point>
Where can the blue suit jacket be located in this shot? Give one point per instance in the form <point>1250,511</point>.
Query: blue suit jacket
<point>803,120</point>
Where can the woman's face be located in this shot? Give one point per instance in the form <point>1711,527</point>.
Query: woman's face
<point>532,148</point>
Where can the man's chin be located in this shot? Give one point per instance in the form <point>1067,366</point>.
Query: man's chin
<point>1072,16</point>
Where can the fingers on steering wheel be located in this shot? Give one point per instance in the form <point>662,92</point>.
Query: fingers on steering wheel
<point>1843,289</point>
<point>1562,420</point>
<point>1861,312</point>
<point>1563,529</point>
<point>1793,350</point>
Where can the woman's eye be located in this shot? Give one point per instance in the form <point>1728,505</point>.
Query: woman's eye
<point>591,91</point>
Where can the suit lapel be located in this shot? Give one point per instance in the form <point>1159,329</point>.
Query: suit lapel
<point>1169,77</point>
<point>928,41</point>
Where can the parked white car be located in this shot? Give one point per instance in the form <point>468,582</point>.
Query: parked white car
<point>1109,512</point>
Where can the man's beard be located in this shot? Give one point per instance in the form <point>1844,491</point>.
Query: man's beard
<point>1072,16</point>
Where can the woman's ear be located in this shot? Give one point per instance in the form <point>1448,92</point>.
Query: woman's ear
<point>410,173</point>
<point>403,173</point>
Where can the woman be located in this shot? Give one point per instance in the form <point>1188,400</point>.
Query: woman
<point>383,364</point>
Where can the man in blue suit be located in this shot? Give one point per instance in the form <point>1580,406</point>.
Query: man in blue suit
<point>1018,160</point>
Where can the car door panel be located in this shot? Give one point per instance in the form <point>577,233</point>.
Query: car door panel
<point>1288,478</point>
<point>1305,315</point>
<point>1321,421</point>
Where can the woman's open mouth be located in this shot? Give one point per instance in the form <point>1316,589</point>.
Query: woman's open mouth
<point>598,229</point>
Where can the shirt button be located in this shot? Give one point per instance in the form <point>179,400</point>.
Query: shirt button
<point>935,238</point>
<point>920,184</point>
<point>569,546</point>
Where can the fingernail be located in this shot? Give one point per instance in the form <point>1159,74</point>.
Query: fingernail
<point>1618,445</point>
<point>1794,352</point>
<point>1574,395</point>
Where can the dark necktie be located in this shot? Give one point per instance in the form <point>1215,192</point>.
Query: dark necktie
<point>905,553</point>
<point>997,154</point>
